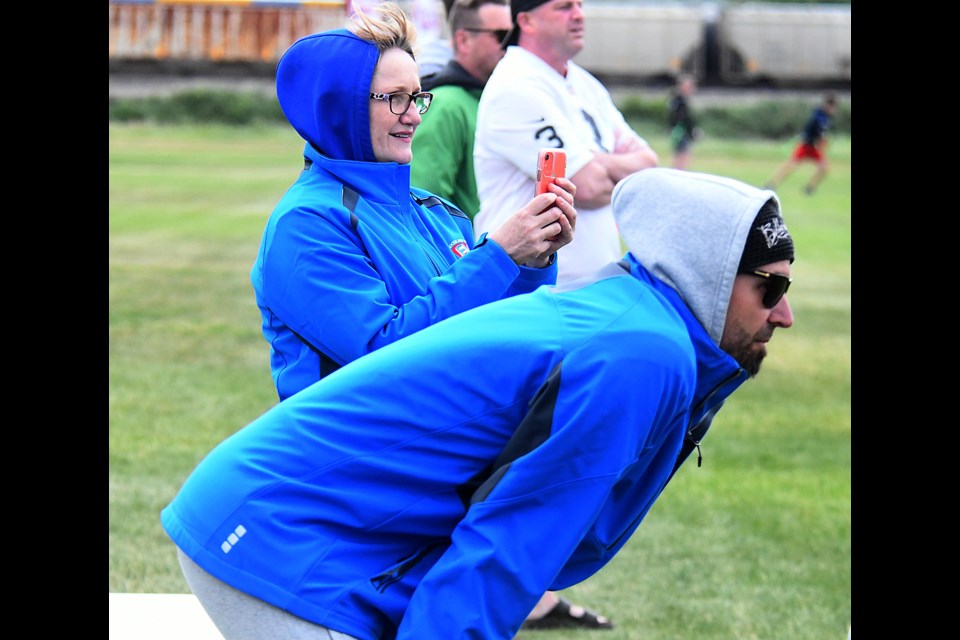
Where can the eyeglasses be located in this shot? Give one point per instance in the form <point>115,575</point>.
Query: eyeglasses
<point>776,287</point>
<point>499,34</point>
<point>400,102</point>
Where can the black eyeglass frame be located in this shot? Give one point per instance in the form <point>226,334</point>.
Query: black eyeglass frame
<point>499,34</point>
<point>411,97</point>
<point>776,287</point>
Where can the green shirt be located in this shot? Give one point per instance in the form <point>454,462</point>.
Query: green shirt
<point>443,147</point>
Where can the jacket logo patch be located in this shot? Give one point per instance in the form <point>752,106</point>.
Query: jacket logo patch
<point>459,248</point>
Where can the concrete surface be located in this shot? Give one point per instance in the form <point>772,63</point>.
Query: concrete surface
<point>159,616</point>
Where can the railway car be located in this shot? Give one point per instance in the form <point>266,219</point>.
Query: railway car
<point>719,42</point>
<point>184,31</point>
<point>784,43</point>
<point>631,40</point>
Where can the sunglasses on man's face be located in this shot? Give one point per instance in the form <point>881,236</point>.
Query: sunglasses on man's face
<point>499,34</point>
<point>775,286</point>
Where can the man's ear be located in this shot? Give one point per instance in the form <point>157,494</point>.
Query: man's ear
<point>459,40</point>
<point>523,18</point>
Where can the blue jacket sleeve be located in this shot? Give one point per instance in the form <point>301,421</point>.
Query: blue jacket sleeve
<point>350,292</point>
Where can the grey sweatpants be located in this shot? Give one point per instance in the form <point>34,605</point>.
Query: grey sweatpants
<point>239,616</point>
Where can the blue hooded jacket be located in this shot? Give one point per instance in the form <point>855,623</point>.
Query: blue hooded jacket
<point>353,258</point>
<point>436,488</point>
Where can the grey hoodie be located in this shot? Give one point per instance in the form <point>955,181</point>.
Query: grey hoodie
<point>696,253</point>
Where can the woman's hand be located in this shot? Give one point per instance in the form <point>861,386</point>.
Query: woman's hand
<point>545,224</point>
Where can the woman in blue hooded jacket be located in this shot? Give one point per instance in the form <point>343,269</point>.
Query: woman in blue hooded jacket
<point>353,258</point>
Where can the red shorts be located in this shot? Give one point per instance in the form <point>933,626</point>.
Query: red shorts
<point>807,152</point>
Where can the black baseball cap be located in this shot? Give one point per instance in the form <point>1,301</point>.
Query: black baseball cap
<point>516,6</point>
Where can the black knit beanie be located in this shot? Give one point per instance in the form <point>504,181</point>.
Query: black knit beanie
<point>516,6</point>
<point>767,241</point>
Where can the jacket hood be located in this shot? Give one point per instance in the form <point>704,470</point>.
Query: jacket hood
<point>323,86</point>
<point>452,74</point>
<point>689,229</point>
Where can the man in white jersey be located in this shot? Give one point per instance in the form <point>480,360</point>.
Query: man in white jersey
<point>538,97</point>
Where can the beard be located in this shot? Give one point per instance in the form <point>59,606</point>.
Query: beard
<point>748,350</point>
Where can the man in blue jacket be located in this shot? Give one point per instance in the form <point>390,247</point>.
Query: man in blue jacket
<point>408,494</point>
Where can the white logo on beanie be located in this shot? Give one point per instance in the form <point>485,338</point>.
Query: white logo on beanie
<point>774,231</point>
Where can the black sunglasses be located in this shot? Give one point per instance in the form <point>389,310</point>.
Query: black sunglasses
<point>499,34</point>
<point>776,287</point>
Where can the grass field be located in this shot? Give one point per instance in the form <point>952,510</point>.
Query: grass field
<point>755,544</point>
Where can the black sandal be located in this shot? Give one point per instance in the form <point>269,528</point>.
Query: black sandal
<point>560,618</point>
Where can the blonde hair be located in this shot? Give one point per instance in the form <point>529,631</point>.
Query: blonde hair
<point>391,29</point>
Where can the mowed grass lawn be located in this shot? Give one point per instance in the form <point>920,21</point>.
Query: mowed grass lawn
<point>755,544</point>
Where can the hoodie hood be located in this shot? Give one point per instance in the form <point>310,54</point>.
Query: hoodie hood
<point>452,74</point>
<point>689,229</point>
<point>323,86</point>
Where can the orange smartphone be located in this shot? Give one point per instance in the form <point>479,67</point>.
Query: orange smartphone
<point>551,163</point>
